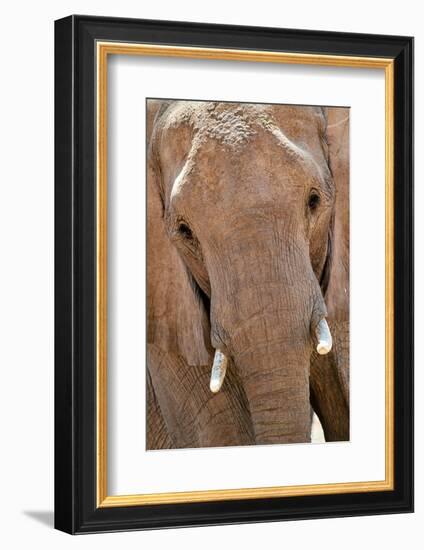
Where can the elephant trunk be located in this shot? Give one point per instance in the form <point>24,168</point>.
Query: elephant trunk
<point>276,381</point>
<point>272,318</point>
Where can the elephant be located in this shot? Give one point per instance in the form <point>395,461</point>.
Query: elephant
<point>247,273</point>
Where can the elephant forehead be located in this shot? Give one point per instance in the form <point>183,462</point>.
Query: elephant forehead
<point>218,174</point>
<point>243,142</point>
<point>236,127</point>
<point>234,124</point>
<point>261,152</point>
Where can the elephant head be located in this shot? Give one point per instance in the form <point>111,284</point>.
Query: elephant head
<point>241,219</point>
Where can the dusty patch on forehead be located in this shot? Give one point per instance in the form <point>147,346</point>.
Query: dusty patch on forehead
<point>227,123</point>
<point>234,126</point>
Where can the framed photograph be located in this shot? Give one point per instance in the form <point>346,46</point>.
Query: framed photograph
<point>234,274</point>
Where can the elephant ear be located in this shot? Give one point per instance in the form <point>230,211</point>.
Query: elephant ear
<point>337,294</point>
<point>176,317</point>
<point>329,376</point>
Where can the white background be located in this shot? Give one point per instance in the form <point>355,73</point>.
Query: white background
<point>26,278</point>
<point>131,468</point>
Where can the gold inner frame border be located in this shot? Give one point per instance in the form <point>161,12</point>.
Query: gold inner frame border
<point>103,50</point>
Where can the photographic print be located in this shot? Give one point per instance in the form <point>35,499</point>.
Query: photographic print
<point>247,274</point>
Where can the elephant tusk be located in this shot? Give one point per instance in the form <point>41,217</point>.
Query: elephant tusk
<point>219,369</point>
<point>323,334</point>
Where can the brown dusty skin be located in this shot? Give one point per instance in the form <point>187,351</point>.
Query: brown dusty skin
<point>247,250</point>
<point>332,371</point>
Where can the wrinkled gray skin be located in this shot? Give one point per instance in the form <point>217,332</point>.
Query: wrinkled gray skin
<point>247,250</point>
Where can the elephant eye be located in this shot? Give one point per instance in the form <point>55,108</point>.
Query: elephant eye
<point>185,231</point>
<point>314,200</point>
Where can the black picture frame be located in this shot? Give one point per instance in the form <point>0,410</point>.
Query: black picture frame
<point>76,508</point>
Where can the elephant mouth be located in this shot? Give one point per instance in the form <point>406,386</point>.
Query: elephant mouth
<point>323,346</point>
